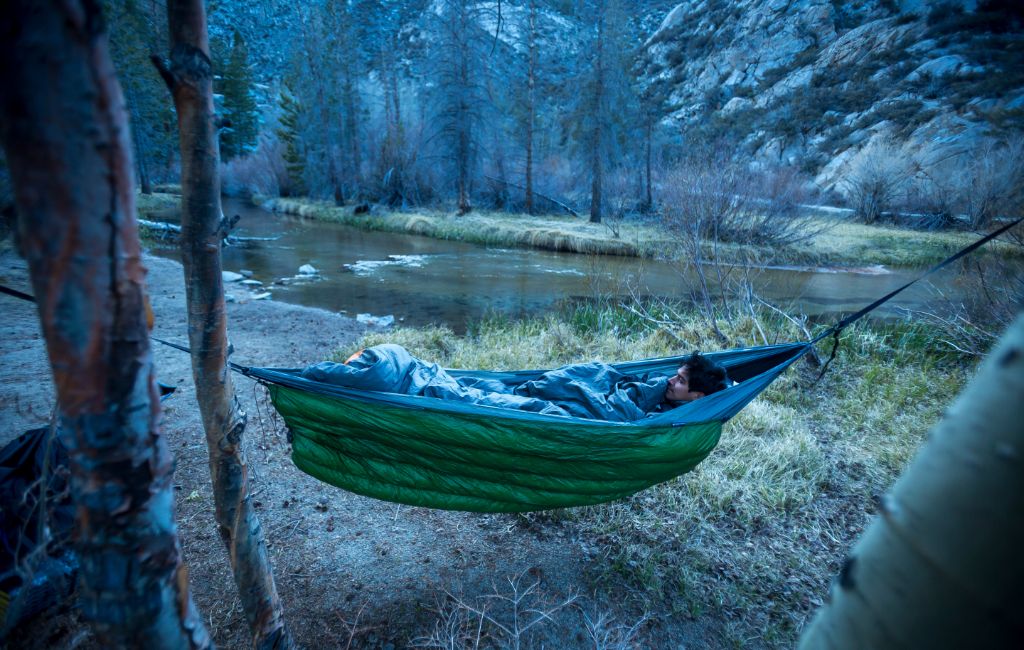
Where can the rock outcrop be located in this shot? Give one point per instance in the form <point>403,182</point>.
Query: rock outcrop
<point>813,82</point>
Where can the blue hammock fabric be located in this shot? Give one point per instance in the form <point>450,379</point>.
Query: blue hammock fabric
<point>437,453</point>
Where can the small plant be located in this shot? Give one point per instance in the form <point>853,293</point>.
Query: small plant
<point>505,619</point>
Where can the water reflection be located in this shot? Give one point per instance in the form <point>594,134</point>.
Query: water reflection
<point>421,280</point>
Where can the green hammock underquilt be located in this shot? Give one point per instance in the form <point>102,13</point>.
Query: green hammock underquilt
<point>450,455</point>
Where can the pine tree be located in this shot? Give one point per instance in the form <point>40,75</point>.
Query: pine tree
<point>606,104</point>
<point>293,184</point>
<point>459,66</point>
<point>136,30</point>
<point>239,105</point>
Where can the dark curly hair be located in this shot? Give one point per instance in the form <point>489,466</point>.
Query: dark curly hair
<point>705,375</point>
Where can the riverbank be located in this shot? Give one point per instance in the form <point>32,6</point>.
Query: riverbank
<point>737,553</point>
<point>838,243</point>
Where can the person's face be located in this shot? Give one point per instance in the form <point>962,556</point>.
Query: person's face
<point>678,389</point>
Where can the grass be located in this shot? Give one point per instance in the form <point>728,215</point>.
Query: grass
<point>855,243</point>
<point>756,532</point>
<point>154,207</point>
<point>155,203</point>
<point>562,234</point>
<point>839,243</point>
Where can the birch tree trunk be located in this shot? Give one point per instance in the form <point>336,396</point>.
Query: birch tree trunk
<point>65,132</point>
<point>942,567</point>
<point>190,79</point>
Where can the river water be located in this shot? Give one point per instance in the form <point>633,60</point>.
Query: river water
<point>420,280</point>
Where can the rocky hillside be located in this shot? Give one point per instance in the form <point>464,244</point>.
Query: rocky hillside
<point>816,82</point>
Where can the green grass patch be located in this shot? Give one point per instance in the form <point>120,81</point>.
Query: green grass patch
<point>148,205</point>
<point>855,244</point>
<point>562,234</point>
<point>756,532</point>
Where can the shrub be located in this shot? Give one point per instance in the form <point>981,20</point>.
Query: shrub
<point>995,178</point>
<point>708,196</point>
<point>877,178</point>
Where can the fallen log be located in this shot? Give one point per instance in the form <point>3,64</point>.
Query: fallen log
<point>170,229</point>
<point>535,193</point>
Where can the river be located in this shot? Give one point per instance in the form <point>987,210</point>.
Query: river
<point>421,281</point>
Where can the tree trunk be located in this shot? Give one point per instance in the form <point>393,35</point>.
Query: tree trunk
<point>531,104</point>
<point>598,116</point>
<point>649,194</point>
<point>66,136</point>
<point>942,566</point>
<point>352,134</point>
<point>191,82</point>
<point>139,142</point>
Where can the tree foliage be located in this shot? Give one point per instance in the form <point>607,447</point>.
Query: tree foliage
<point>239,103</point>
<point>137,30</point>
<point>288,131</point>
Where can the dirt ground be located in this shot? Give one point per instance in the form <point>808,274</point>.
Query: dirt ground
<point>351,571</point>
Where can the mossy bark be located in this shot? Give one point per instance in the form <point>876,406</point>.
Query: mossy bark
<point>190,79</point>
<point>66,136</point>
<point>942,566</point>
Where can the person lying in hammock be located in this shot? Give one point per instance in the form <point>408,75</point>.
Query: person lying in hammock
<point>592,390</point>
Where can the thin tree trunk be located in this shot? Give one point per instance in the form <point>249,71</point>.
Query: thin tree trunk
<point>649,194</point>
<point>463,125</point>
<point>66,137</point>
<point>942,567</point>
<point>352,133</point>
<point>191,82</point>
<point>139,142</point>
<point>531,104</point>
<point>597,115</point>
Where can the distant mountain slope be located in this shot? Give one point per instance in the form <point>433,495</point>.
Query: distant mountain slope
<point>811,82</point>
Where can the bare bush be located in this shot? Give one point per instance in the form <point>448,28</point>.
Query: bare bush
<point>991,296</point>
<point>260,172</point>
<point>877,178</point>
<point>964,188</point>
<point>709,201</point>
<point>708,196</point>
<point>995,173</point>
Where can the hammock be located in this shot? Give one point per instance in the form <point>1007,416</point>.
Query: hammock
<point>425,451</point>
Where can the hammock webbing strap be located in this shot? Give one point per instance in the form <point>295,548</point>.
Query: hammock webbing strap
<point>857,315</point>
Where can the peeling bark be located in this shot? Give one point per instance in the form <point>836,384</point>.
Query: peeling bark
<point>190,79</point>
<point>65,132</point>
<point>941,567</point>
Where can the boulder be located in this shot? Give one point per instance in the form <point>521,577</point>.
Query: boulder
<point>308,269</point>
<point>736,104</point>
<point>944,66</point>
<point>231,276</point>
